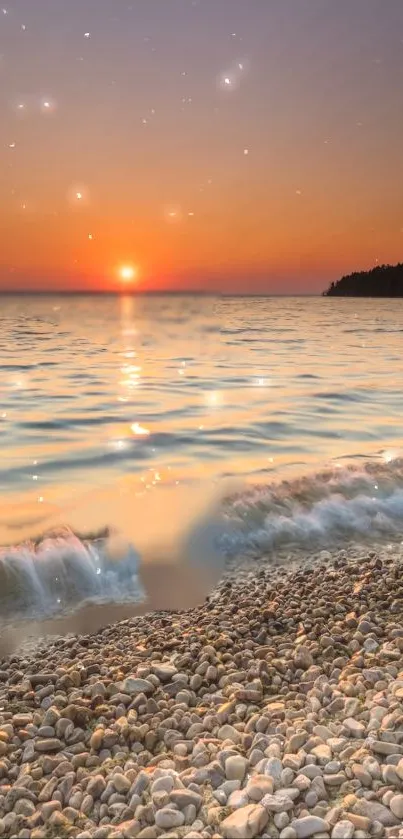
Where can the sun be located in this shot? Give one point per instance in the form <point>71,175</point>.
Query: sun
<point>128,273</point>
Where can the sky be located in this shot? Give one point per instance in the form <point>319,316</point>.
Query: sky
<point>218,145</point>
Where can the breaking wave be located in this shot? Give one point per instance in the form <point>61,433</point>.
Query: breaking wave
<point>343,504</point>
<point>61,572</point>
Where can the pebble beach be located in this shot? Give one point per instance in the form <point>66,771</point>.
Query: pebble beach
<point>274,709</point>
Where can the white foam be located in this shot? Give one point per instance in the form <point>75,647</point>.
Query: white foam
<point>321,510</point>
<point>61,573</point>
<point>175,534</point>
<point>181,539</point>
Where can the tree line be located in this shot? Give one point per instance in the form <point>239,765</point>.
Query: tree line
<point>381,281</point>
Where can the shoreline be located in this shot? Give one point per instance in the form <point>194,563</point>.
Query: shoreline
<point>274,709</point>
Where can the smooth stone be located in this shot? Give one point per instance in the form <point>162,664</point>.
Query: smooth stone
<point>167,818</point>
<point>311,771</point>
<point>183,797</point>
<point>396,806</point>
<point>309,825</point>
<point>370,645</point>
<point>258,786</point>
<point>165,784</point>
<point>296,741</point>
<point>323,753</point>
<point>332,767</point>
<point>281,820</point>
<point>376,812</point>
<point>133,686</point>
<point>381,747</point>
<point>273,769</point>
<point>121,783</point>
<point>96,786</point>
<point>237,799</point>
<point>334,780</point>
<point>278,803</point>
<point>128,830</point>
<point>49,744</point>
<point>364,777</point>
<point>359,822</point>
<point>323,732</point>
<point>302,783</point>
<point>228,732</point>
<point>311,799</point>
<point>343,830</point>
<point>354,727</point>
<point>235,767</point>
<point>29,752</point>
<point>164,672</point>
<point>245,823</point>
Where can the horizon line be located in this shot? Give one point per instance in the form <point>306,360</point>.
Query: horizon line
<point>149,293</point>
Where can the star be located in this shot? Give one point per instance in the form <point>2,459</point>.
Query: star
<point>47,106</point>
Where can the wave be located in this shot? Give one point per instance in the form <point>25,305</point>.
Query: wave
<point>61,573</point>
<point>342,504</point>
<point>174,564</point>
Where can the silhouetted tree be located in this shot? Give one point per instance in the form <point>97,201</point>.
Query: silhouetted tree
<point>381,281</point>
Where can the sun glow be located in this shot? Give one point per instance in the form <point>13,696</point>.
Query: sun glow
<point>128,273</point>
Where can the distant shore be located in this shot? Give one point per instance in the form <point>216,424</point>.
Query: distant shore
<point>274,709</point>
<point>381,281</point>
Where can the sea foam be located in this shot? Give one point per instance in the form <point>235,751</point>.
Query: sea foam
<point>168,550</point>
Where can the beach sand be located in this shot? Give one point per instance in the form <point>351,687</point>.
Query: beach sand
<point>274,709</point>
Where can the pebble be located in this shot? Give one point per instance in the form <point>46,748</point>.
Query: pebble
<point>245,823</point>
<point>183,798</point>
<point>309,826</point>
<point>48,744</point>
<point>344,829</point>
<point>235,767</point>
<point>278,803</point>
<point>258,786</point>
<point>164,672</point>
<point>376,812</point>
<point>273,709</point>
<point>274,768</point>
<point>396,806</point>
<point>228,732</point>
<point>354,727</point>
<point>133,686</point>
<point>96,786</point>
<point>168,818</point>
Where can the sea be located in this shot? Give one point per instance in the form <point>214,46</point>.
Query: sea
<point>189,430</point>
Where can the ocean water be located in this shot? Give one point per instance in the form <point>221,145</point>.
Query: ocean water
<point>189,428</point>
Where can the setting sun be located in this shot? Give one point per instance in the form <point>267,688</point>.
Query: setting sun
<point>127,273</point>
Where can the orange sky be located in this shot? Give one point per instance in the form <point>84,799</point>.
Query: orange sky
<point>131,112</point>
